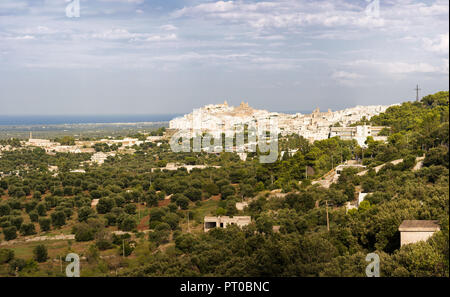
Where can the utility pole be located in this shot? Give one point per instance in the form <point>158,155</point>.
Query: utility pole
<point>139,208</point>
<point>328,221</point>
<point>123,248</point>
<point>189,231</point>
<point>417,92</point>
<point>60,262</point>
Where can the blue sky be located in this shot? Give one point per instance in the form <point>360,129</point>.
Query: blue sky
<point>156,56</point>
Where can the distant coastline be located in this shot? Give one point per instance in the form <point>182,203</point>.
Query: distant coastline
<point>27,120</point>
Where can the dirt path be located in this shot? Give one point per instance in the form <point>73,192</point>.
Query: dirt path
<point>143,224</point>
<point>38,238</point>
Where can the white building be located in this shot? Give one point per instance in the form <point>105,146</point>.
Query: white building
<point>359,133</point>
<point>224,221</point>
<point>412,231</point>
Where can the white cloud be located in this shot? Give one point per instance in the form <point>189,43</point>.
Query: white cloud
<point>399,67</point>
<point>346,75</point>
<point>125,1</point>
<point>123,34</point>
<point>156,37</point>
<point>438,45</point>
<point>169,27</point>
<point>25,37</point>
<point>347,78</point>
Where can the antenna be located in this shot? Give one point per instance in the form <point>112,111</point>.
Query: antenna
<point>417,92</point>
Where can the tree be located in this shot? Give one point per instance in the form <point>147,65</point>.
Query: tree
<point>83,232</point>
<point>437,156</point>
<point>41,209</point>
<point>105,205</point>
<point>227,190</point>
<point>27,229</point>
<point>211,189</point>
<point>6,255</point>
<point>10,233</point>
<point>182,202</point>
<point>264,224</point>
<point>58,219</point>
<point>85,213</point>
<point>193,194</point>
<point>128,223</point>
<point>34,217</point>
<point>5,209</point>
<point>44,224</point>
<point>40,253</point>
<point>130,208</point>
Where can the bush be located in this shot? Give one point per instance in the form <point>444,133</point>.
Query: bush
<point>103,244</point>
<point>83,232</point>
<point>40,253</point>
<point>17,265</point>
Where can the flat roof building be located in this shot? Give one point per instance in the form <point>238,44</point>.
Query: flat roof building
<point>222,222</point>
<point>412,231</point>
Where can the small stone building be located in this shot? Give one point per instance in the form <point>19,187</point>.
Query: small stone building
<point>223,221</point>
<point>412,231</point>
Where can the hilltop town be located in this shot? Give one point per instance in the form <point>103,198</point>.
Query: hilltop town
<point>222,118</point>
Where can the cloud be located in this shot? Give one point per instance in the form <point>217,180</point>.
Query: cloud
<point>399,67</point>
<point>156,37</point>
<point>346,75</point>
<point>118,34</point>
<point>124,1</point>
<point>347,78</point>
<point>437,45</point>
<point>168,27</point>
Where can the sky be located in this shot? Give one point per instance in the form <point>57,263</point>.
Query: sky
<point>170,56</point>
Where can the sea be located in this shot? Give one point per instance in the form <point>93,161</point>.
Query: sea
<point>28,120</point>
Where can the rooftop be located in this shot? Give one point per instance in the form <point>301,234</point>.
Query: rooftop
<point>419,225</point>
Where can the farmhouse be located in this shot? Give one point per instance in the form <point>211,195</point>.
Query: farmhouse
<point>412,231</point>
<point>222,222</point>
